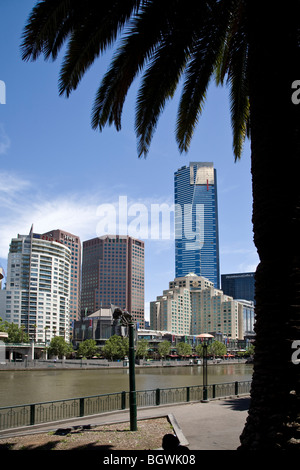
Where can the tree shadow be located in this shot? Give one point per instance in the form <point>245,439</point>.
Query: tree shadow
<point>47,446</point>
<point>238,404</point>
<point>93,446</point>
<point>6,446</point>
<point>52,446</point>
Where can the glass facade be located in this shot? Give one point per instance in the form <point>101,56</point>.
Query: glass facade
<point>196,222</point>
<point>239,285</point>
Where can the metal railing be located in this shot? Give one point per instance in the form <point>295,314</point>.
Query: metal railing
<point>59,410</point>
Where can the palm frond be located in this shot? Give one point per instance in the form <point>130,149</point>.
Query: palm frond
<point>137,48</point>
<point>159,84</point>
<point>99,30</point>
<point>232,64</point>
<point>239,99</point>
<point>48,26</point>
<point>210,39</point>
<point>162,76</point>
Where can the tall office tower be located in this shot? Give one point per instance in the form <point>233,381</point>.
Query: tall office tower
<point>113,273</point>
<point>196,222</point>
<point>74,244</point>
<point>38,286</point>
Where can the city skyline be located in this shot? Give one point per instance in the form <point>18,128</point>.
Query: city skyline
<point>55,171</point>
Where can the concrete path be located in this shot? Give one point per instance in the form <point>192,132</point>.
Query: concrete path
<point>216,425</point>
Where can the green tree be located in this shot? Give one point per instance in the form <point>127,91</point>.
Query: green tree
<point>255,51</point>
<point>16,334</point>
<point>142,348</point>
<point>164,348</point>
<point>199,350</point>
<point>184,349</point>
<point>87,348</point>
<point>116,347</point>
<point>217,348</point>
<point>250,350</point>
<point>59,347</point>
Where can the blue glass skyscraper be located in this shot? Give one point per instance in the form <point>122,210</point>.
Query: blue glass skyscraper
<point>196,222</point>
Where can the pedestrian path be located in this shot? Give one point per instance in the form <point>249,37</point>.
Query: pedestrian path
<point>216,425</point>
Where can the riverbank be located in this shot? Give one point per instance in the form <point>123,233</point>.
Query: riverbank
<point>78,364</point>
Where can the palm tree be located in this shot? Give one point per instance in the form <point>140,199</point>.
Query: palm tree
<point>253,50</point>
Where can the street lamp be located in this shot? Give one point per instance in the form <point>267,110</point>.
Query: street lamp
<point>123,319</point>
<point>132,391</point>
<point>205,337</point>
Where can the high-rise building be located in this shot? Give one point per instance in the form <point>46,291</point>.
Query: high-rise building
<point>239,285</point>
<point>196,222</point>
<point>38,286</point>
<point>192,306</point>
<point>74,244</point>
<point>113,273</point>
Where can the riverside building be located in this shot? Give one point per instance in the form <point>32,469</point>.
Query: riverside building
<point>38,286</point>
<point>73,243</point>
<point>113,273</point>
<point>192,306</point>
<point>196,222</point>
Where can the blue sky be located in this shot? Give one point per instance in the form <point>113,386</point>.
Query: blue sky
<point>56,171</point>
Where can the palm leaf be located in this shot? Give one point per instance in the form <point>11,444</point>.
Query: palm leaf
<point>99,30</point>
<point>162,76</point>
<point>239,98</point>
<point>210,38</point>
<point>232,64</point>
<point>136,49</point>
<point>48,26</point>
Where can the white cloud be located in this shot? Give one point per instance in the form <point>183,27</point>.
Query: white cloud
<point>11,183</point>
<point>71,213</point>
<point>21,206</point>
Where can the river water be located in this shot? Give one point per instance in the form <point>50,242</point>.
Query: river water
<point>33,386</point>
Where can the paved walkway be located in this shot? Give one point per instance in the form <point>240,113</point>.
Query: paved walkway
<point>216,425</point>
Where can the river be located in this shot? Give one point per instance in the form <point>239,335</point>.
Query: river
<point>33,386</point>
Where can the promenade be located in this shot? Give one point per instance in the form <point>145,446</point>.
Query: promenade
<point>216,425</point>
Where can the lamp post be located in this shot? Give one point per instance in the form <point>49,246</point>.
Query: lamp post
<point>123,319</point>
<point>205,337</point>
<point>132,391</point>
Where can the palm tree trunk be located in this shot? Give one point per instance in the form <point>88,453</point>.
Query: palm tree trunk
<point>273,420</point>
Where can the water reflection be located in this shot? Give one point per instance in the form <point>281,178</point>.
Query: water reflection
<point>19,387</point>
